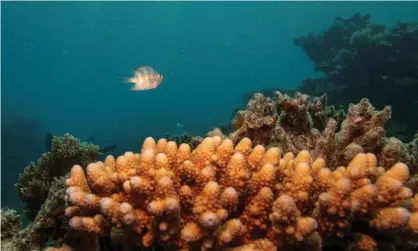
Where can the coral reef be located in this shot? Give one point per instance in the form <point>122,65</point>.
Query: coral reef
<point>36,180</point>
<point>361,59</point>
<point>223,196</point>
<point>304,123</point>
<point>10,223</point>
<point>185,138</point>
<point>295,174</point>
<point>42,188</point>
<point>47,224</point>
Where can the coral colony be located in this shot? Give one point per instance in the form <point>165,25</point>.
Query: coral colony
<point>295,174</point>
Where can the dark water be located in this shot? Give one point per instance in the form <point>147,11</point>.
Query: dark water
<point>60,62</point>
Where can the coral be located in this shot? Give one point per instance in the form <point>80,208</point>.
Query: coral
<point>412,149</point>
<point>363,242</point>
<point>224,196</point>
<point>43,227</point>
<point>36,179</point>
<point>186,138</point>
<point>361,59</point>
<point>10,224</point>
<point>305,123</point>
<point>256,121</point>
<point>215,132</point>
<point>281,115</point>
<point>256,245</point>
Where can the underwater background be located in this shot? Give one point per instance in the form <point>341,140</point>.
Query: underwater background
<point>61,60</point>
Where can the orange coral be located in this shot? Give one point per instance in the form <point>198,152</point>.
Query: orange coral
<point>219,196</point>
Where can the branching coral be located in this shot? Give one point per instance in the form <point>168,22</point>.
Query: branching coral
<point>222,196</point>
<point>35,182</point>
<point>308,123</point>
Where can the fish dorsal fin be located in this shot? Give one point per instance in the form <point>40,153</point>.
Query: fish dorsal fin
<point>146,70</point>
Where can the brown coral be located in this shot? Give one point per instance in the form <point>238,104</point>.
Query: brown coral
<point>304,123</point>
<point>255,122</point>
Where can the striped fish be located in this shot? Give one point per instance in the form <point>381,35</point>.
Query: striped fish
<point>145,78</point>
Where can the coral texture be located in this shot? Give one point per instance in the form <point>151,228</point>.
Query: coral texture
<point>43,227</point>
<point>10,224</point>
<point>186,138</point>
<point>36,179</point>
<point>303,123</point>
<point>224,195</point>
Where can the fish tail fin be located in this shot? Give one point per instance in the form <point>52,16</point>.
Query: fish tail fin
<point>125,79</point>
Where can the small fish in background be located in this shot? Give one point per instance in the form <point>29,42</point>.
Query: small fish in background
<point>145,78</point>
<point>48,142</point>
<point>179,129</point>
<point>90,139</point>
<point>107,149</point>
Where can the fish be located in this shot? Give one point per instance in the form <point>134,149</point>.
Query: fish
<point>48,142</point>
<point>145,78</point>
<point>90,139</point>
<point>107,149</point>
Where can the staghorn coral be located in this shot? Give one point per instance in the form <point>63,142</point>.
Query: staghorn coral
<point>36,179</point>
<point>308,123</point>
<point>225,196</point>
